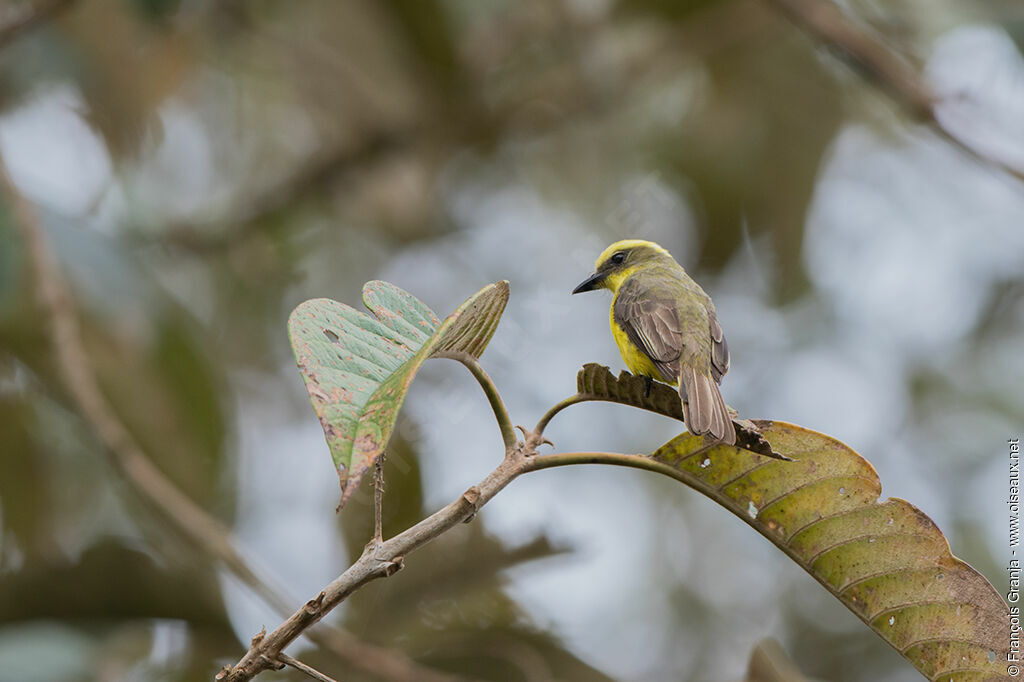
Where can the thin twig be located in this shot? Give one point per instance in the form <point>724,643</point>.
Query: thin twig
<point>634,461</point>
<point>205,532</point>
<point>378,500</point>
<point>29,15</point>
<point>302,667</point>
<point>508,433</point>
<point>877,63</point>
<point>558,407</point>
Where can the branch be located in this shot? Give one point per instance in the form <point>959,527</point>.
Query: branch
<point>316,175</point>
<point>22,19</point>
<point>876,62</point>
<point>613,458</point>
<point>387,558</point>
<point>205,532</point>
<point>380,561</point>
<point>747,488</point>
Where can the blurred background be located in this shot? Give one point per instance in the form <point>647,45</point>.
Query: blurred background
<point>200,168</point>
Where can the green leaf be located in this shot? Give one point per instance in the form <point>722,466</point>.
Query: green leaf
<point>357,368</point>
<point>885,560</point>
<point>596,382</point>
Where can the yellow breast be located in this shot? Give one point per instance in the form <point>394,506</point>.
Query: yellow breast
<point>636,360</point>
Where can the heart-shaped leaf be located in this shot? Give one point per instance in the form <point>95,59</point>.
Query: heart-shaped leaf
<point>885,560</point>
<point>357,368</point>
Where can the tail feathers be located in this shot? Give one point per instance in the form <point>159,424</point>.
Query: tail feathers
<point>703,407</point>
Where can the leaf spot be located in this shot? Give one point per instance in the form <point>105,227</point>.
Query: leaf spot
<point>331,336</point>
<point>892,620</point>
<point>367,443</point>
<point>842,491</point>
<point>752,509</point>
<point>706,463</point>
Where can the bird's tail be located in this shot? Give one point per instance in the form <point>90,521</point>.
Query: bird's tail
<point>703,407</point>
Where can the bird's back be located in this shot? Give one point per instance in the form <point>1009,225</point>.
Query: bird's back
<point>667,294</point>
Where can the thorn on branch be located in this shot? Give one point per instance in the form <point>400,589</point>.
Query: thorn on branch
<point>275,665</point>
<point>394,566</point>
<point>314,605</point>
<point>472,498</point>
<point>258,637</point>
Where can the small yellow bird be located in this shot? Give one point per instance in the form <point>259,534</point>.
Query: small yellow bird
<point>666,329</point>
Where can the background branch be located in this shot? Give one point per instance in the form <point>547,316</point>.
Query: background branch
<point>202,530</point>
<point>317,174</point>
<point>877,63</point>
<point>304,669</point>
<point>26,16</point>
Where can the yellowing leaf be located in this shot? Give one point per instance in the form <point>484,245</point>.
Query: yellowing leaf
<point>885,560</point>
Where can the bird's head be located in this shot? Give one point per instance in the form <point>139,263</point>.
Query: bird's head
<point>619,261</point>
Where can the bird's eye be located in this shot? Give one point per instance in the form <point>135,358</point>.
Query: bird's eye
<point>618,257</point>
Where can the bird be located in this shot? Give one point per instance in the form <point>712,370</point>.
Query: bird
<point>667,329</point>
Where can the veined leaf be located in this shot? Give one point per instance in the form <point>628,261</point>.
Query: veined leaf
<point>357,368</point>
<point>885,560</point>
<point>596,382</point>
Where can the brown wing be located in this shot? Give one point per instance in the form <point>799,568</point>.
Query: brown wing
<point>719,348</point>
<point>652,324</point>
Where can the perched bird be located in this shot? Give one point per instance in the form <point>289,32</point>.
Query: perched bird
<point>666,329</point>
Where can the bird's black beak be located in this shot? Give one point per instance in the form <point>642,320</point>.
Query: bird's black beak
<point>590,283</point>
